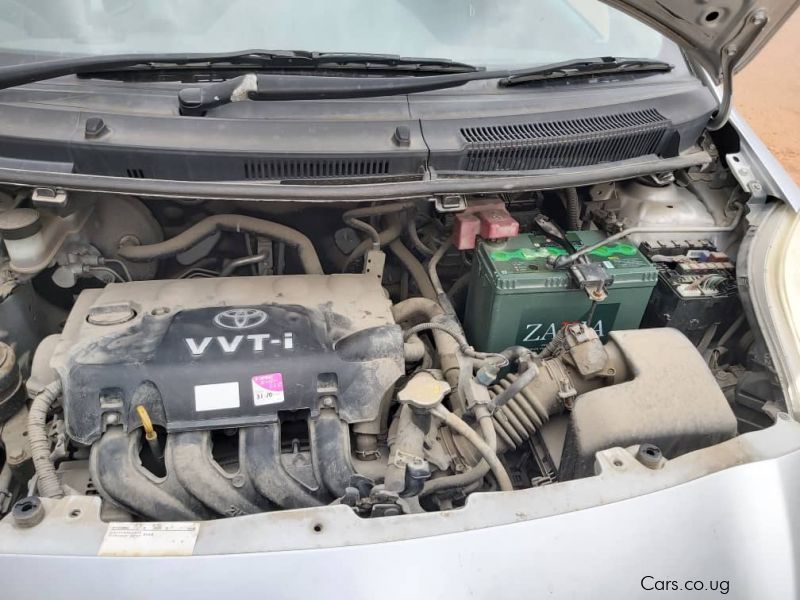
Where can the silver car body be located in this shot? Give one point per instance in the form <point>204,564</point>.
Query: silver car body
<point>722,514</point>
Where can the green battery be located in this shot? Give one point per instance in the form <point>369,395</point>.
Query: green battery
<point>516,298</point>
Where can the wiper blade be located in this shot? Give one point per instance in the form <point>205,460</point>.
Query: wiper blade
<point>15,75</point>
<point>346,60</point>
<point>198,100</point>
<point>583,67</point>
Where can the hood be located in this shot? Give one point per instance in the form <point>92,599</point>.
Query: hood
<point>721,35</point>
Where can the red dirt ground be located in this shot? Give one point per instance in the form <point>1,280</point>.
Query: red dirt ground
<point>767,93</point>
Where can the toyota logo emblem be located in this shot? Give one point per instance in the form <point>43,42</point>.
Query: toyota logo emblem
<point>240,318</point>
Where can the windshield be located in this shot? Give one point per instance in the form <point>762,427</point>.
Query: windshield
<point>489,33</point>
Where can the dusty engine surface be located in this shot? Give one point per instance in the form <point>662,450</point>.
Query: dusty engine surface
<point>206,366</point>
<point>235,371</point>
<point>210,353</point>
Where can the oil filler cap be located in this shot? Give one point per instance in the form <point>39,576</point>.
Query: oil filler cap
<point>111,314</point>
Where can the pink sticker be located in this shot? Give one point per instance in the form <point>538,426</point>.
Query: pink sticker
<point>267,389</point>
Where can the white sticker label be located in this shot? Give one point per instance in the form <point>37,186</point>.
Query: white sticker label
<point>267,389</point>
<point>149,539</point>
<point>216,396</point>
<point>608,264</point>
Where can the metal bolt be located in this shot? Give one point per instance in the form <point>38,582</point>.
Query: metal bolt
<point>328,401</point>
<point>758,18</point>
<point>129,240</point>
<point>237,480</point>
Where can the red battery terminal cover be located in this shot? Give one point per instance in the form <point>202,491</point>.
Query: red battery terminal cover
<point>487,219</point>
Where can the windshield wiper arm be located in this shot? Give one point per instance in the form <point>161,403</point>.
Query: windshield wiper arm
<point>588,66</point>
<point>197,100</point>
<point>424,74</point>
<point>12,76</point>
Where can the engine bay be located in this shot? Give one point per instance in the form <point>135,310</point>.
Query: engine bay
<point>192,360</point>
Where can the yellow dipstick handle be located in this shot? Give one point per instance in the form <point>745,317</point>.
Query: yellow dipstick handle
<point>149,431</point>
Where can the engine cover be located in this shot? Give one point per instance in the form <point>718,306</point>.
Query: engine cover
<point>231,352</point>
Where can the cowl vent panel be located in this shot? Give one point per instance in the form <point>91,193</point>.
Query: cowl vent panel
<point>283,169</point>
<point>564,143</point>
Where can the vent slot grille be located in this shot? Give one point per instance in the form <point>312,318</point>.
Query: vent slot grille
<point>135,173</point>
<point>313,169</point>
<point>567,143</point>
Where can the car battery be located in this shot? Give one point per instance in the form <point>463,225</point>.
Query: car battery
<point>517,298</point>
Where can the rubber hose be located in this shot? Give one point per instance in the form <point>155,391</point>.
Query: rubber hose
<point>49,484</point>
<point>391,233</point>
<point>441,296</point>
<point>446,346</point>
<point>517,353</point>
<point>489,455</point>
<point>237,223</point>
<point>517,386</point>
<point>407,258</point>
<point>413,235</point>
<point>476,473</point>
<point>414,267</point>
<point>414,349</point>
<point>353,217</point>
<point>458,285</point>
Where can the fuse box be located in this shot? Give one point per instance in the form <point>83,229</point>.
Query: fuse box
<point>696,289</point>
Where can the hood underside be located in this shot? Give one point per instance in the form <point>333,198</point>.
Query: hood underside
<point>722,35</point>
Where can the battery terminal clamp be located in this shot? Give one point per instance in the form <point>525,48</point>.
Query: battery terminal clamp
<point>592,278</point>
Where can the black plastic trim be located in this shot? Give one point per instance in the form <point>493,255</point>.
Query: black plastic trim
<point>483,183</point>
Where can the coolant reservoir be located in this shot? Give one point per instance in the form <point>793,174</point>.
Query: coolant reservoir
<point>666,206</point>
